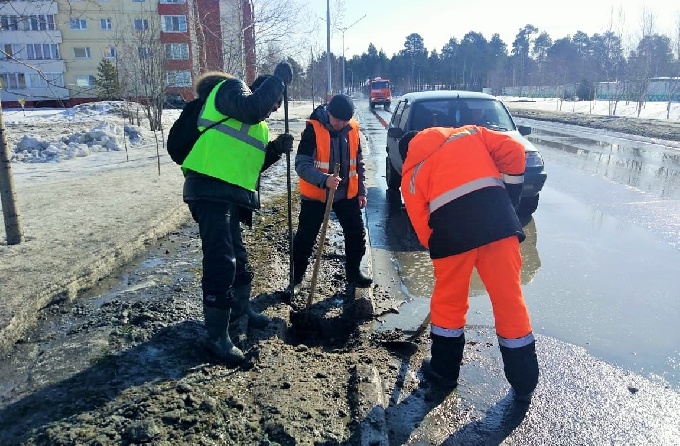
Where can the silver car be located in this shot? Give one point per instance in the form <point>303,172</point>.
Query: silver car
<point>453,108</point>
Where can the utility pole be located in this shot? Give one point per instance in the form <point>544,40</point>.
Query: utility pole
<point>10,209</point>
<point>343,48</point>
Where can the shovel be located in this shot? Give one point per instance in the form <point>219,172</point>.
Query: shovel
<point>322,239</point>
<point>409,341</point>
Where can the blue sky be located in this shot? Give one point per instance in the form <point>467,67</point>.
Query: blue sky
<point>387,22</point>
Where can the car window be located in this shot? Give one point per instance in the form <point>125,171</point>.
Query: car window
<point>457,112</point>
<point>396,116</point>
<point>488,113</point>
<point>403,119</point>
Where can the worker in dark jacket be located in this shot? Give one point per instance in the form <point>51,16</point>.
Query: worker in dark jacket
<point>221,182</point>
<point>461,187</point>
<point>331,136</point>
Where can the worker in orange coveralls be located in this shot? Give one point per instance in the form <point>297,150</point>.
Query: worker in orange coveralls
<point>461,187</point>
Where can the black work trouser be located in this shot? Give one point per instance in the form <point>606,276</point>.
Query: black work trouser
<point>225,260</point>
<point>309,224</point>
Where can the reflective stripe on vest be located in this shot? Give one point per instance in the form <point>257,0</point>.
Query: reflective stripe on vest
<point>232,151</point>
<point>461,134</point>
<point>463,189</point>
<point>512,179</point>
<point>322,160</point>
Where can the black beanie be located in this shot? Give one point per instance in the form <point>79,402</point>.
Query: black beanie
<point>341,107</point>
<point>404,141</point>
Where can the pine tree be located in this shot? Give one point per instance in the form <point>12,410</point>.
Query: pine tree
<point>106,81</point>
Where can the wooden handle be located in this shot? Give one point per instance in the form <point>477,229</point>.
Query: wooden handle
<point>322,239</point>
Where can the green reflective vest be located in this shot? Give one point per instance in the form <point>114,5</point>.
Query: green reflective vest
<point>231,151</point>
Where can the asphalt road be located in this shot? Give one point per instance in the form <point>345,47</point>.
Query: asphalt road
<point>604,380</point>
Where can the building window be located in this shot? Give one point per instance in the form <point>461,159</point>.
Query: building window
<point>144,52</point>
<point>9,22</point>
<point>110,52</point>
<point>36,51</point>
<point>106,23</point>
<point>85,80</point>
<point>174,23</point>
<point>177,51</point>
<point>10,51</point>
<point>13,80</point>
<point>141,24</point>
<point>81,52</point>
<point>173,1</point>
<point>179,78</point>
<point>78,24</point>
<point>41,22</point>
<point>46,79</point>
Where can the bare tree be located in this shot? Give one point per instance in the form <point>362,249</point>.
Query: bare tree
<point>674,83</point>
<point>10,209</point>
<point>640,60</point>
<point>141,67</point>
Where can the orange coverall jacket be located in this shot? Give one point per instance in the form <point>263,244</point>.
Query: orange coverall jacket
<point>453,184</point>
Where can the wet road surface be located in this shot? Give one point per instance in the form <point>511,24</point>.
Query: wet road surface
<point>600,277</point>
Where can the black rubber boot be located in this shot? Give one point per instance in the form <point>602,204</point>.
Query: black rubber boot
<point>355,276</point>
<point>218,342</point>
<point>298,274</point>
<point>241,305</point>
<point>521,370</point>
<point>443,368</point>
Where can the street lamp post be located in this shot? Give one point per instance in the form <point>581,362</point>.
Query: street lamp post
<point>351,82</point>
<point>343,49</point>
<point>328,49</point>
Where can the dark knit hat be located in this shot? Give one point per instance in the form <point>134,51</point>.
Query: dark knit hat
<point>341,107</point>
<point>404,141</point>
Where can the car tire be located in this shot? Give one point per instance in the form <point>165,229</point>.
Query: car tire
<point>372,105</point>
<point>392,176</point>
<point>528,205</point>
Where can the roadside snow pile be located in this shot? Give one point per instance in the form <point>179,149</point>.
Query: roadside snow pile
<point>104,137</point>
<point>52,136</point>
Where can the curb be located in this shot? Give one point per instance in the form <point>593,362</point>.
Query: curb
<point>370,407</point>
<point>363,297</point>
<point>368,387</point>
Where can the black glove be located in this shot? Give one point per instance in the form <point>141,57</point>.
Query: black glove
<point>283,143</point>
<point>284,72</point>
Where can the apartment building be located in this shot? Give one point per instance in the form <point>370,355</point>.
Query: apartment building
<point>31,66</point>
<point>52,49</point>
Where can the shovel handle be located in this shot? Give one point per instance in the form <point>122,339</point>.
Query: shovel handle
<point>291,272</point>
<point>422,328</point>
<point>322,239</point>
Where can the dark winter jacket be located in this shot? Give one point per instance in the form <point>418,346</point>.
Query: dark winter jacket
<point>304,159</point>
<point>234,99</point>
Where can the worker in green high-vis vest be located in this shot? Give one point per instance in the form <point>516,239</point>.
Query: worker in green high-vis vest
<point>222,173</point>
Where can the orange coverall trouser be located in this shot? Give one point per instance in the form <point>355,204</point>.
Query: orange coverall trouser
<point>498,264</point>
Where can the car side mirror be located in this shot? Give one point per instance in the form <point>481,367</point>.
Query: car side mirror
<point>395,132</point>
<point>524,130</point>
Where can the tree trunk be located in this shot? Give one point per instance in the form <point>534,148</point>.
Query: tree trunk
<point>10,209</point>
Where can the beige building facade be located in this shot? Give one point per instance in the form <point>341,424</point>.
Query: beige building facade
<point>50,50</point>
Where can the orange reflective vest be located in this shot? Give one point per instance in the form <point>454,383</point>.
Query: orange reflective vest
<point>322,160</point>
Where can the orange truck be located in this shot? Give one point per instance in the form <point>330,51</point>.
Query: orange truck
<point>380,92</point>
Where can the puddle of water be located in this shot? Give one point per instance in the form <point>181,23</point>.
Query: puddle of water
<point>152,262</point>
<point>649,167</point>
